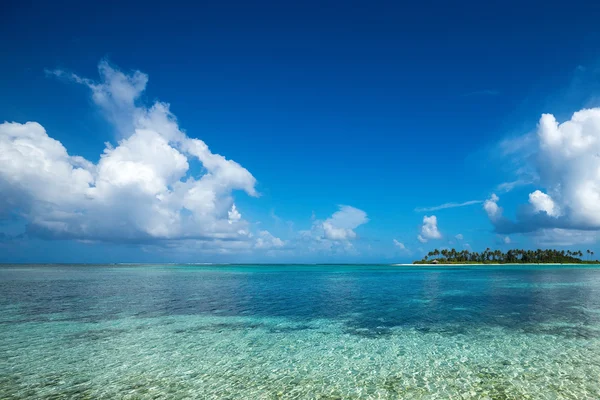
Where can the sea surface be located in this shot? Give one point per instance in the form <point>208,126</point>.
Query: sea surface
<point>299,332</point>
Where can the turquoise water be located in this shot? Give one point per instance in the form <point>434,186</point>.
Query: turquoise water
<point>295,332</point>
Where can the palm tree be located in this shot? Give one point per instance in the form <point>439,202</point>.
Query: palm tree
<point>511,256</point>
<point>453,254</point>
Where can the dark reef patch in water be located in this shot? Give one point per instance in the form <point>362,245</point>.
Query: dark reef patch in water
<point>567,332</point>
<point>96,334</point>
<point>242,326</point>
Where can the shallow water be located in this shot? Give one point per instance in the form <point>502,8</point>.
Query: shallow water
<point>326,332</point>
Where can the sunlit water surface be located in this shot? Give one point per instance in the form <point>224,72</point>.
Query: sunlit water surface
<point>323,332</point>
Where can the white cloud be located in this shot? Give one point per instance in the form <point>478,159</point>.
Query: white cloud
<point>266,240</point>
<point>336,233</point>
<point>563,237</point>
<point>341,225</point>
<point>459,236</point>
<point>569,164</point>
<point>491,207</point>
<point>139,190</point>
<point>399,245</point>
<point>448,205</point>
<point>518,144</point>
<point>234,215</point>
<point>429,229</point>
<point>116,94</point>
<point>506,240</point>
<point>509,186</point>
<point>542,202</point>
<point>566,159</point>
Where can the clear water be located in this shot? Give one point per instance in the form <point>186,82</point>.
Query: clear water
<point>322,332</point>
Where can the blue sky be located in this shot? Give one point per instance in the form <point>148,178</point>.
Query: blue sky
<point>342,127</point>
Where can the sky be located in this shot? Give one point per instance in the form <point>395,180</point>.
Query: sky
<point>313,132</point>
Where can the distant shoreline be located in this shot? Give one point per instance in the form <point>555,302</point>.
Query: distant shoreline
<point>493,264</point>
<point>225,265</point>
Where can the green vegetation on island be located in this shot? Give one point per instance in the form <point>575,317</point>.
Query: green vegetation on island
<point>516,256</point>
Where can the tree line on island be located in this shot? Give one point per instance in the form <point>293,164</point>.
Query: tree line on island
<point>516,256</point>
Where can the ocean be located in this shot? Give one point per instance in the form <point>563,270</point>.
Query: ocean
<point>299,332</point>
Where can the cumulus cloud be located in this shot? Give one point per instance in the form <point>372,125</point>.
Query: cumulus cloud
<point>567,161</point>
<point>491,207</point>
<point>337,232</point>
<point>459,236</point>
<point>569,164</point>
<point>140,190</point>
<point>341,225</point>
<point>429,229</point>
<point>541,202</point>
<point>506,240</point>
<point>266,240</point>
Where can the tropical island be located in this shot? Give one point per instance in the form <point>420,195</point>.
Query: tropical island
<point>515,256</point>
